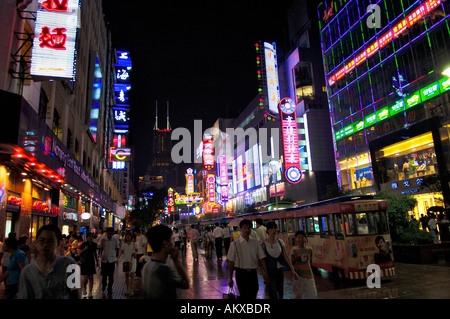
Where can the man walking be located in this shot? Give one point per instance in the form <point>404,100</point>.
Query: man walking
<point>194,236</point>
<point>218,240</point>
<point>261,230</point>
<point>244,256</point>
<point>109,246</point>
<point>141,243</point>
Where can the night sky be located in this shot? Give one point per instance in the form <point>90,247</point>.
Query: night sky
<point>198,55</point>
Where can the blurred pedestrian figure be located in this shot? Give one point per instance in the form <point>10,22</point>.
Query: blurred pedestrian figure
<point>128,253</point>
<point>218,240</point>
<point>159,280</point>
<point>72,249</point>
<point>276,258</point>
<point>244,256</point>
<point>424,221</point>
<point>301,257</point>
<point>261,230</point>
<point>183,235</point>
<point>109,246</point>
<point>176,238</point>
<point>16,262</point>
<point>141,243</point>
<point>226,238</point>
<point>4,255</point>
<point>23,246</point>
<point>194,235</point>
<point>235,234</point>
<point>432,226</point>
<point>47,276</point>
<point>208,240</point>
<point>88,264</point>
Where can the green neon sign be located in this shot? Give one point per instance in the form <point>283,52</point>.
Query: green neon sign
<point>370,120</point>
<point>358,126</point>
<point>339,135</point>
<point>348,130</point>
<point>444,85</point>
<point>413,100</point>
<point>429,91</point>
<point>383,114</point>
<point>396,108</point>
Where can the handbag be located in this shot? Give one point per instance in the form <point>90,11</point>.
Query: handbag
<point>230,294</point>
<point>126,266</point>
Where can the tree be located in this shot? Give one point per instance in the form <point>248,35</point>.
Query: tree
<point>403,230</point>
<point>148,207</point>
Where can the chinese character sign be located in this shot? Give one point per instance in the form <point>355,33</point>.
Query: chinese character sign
<point>290,141</point>
<point>223,177</point>
<point>189,181</point>
<point>211,182</point>
<point>273,89</point>
<point>54,41</point>
<point>208,154</point>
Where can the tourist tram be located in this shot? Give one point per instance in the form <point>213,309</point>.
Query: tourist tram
<point>347,234</point>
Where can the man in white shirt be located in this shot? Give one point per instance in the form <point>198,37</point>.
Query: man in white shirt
<point>432,226</point>
<point>226,238</point>
<point>244,256</point>
<point>141,243</point>
<point>218,240</point>
<point>109,246</point>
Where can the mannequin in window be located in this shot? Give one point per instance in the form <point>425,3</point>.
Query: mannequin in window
<point>405,168</point>
<point>395,172</point>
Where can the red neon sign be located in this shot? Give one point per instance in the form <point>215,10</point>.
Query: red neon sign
<point>290,141</point>
<point>56,5</point>
<point>208,154</point>
<point>55,40</point>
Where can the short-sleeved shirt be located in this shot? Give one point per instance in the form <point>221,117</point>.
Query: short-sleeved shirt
<point>245,254</point>
<point>218,232</point>
<point>109,246</point>
<point>194,234</point>
<point>13,266</point>
<point>160,281</point>
<point>226,232</point>
<point>53,285</point>
<point>301,260</point>
<point>141,243</point>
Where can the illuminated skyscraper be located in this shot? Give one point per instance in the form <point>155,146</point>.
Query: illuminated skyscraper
<point>388,97</point>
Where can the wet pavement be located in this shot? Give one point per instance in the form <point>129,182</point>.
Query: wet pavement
<point>209,280</point>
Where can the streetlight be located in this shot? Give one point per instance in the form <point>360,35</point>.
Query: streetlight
<point>446,71</point>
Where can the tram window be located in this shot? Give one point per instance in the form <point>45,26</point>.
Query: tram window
<point>301,224</point>
<point>283,225</point>
<point>277,222</point>
<point>339,226</point>
<point>316,224</point>
<point>349,224</point>
<point>372,218</point>
<point>362,224</point>
<point>290,225</point>
<point>310,225</point>
<point>381,222</point>
<point>330,223</point>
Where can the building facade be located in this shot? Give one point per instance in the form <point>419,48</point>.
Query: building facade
<point>58,127</point>
<point>388,97</point>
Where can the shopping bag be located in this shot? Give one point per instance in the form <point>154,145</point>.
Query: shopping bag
<point>230,294</point>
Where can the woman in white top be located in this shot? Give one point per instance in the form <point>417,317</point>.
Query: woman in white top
<point>128,252</point>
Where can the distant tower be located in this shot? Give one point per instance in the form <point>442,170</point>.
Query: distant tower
<point>155,128</point>
<point>168,124</point>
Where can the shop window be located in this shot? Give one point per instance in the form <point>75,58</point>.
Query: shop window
<point>357,171</point>
<point>412,158</point>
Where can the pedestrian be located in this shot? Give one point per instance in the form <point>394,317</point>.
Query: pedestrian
<point>183,235</point>
<point>424,221</point>
<point>159,280</point>
<point>16,262</point>
<point>218,240</point>
<point>235,234</point>
<point>88,264</point>
<point>47,276</point>
<point>208,240</point>
<point>176,238</point>
<point>23,246</point>
<point>4,255</point>
<point>301,257</point>
<point>261,230</point>
<point>128,252</point>
<point>194,235</point>
<point>141,243</point>
<point>72,249</point>
<point>226,238</point>
<point>109,246</point>
<point>277,260</point>
<point>244,256</point>
<point>432,226</point>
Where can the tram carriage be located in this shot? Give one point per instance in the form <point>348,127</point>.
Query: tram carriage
<point>347,234</point>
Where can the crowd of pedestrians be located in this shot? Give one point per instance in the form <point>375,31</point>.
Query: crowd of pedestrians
<point>40,270</point>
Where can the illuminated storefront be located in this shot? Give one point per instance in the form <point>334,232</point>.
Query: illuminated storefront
<point>388,97</point>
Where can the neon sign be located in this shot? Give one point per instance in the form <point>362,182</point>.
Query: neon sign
<point>290,140</point>
<point>208,154</point>
<point>273,89</point>
<point>223,177</point>
<point>189,181</point>
<point>399,28</point>
<point>211,182</point>
<point>55,39</point>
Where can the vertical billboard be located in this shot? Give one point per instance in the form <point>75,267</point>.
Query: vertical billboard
<point>55,34</point>
<point>189,181</point>
<point>292,166</point>
<point>208,154</point>
<point>222,172</point>
<point>273,88</point>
